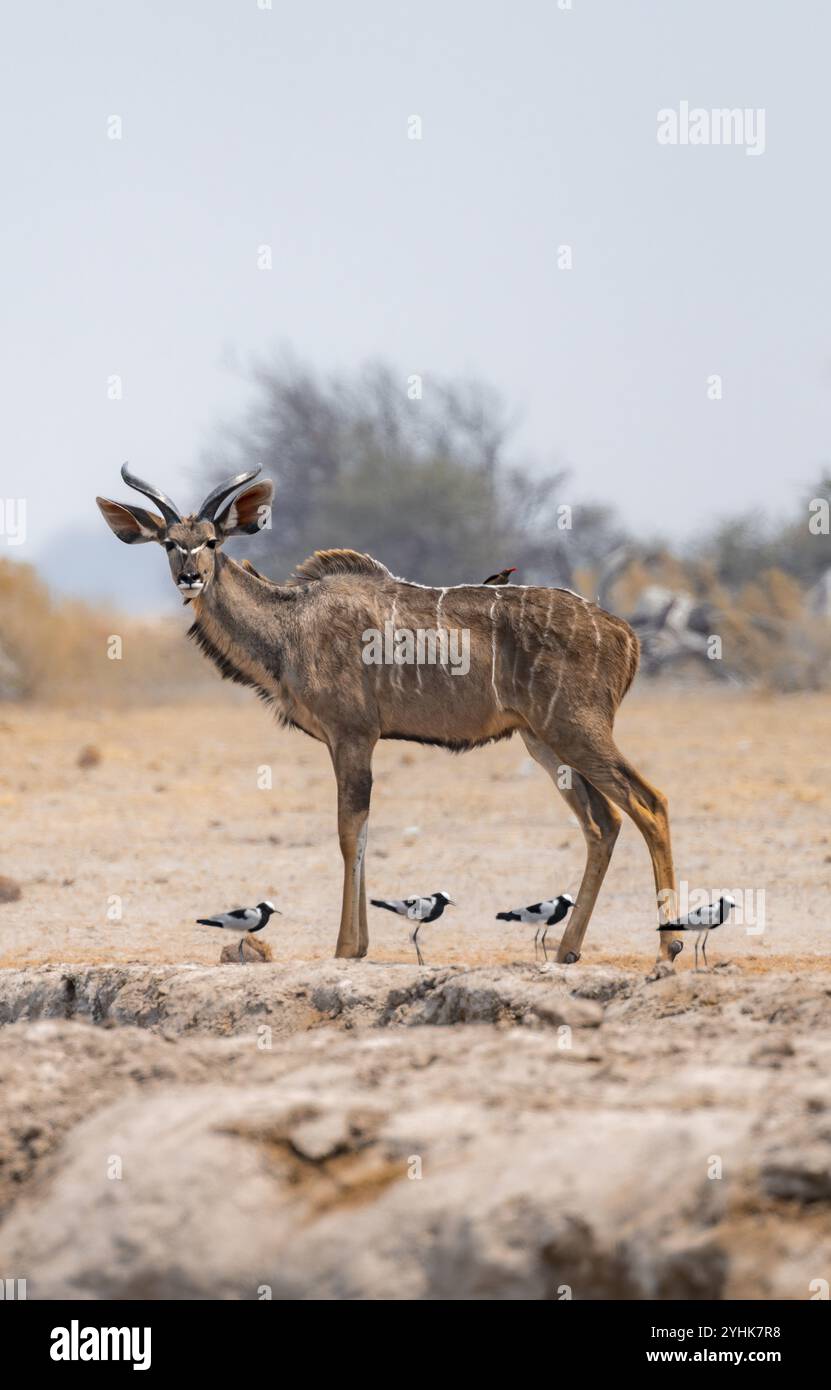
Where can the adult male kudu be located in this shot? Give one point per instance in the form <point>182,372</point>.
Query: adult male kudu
<point>542,662</point>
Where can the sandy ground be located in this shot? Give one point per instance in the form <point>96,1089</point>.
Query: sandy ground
<point>587,1164</point>
<point>173,823</point>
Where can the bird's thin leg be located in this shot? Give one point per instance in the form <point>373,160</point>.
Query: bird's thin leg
<point>536,942</point>
<point>241,940</point>
<point>704,949</point>
<point>544,947</point>
<point>419,956</point>
<point>696,952</point>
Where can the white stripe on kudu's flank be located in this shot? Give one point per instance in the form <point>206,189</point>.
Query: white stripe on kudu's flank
<point>563,660</point>
<point>538,658</point>
<point>439,603</point>
<point>596,648</point>
<point>517,646</point>
<point>395,671</point>
<point>493,652</point>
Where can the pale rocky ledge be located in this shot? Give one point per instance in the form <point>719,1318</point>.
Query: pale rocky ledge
<point>358,1131</point>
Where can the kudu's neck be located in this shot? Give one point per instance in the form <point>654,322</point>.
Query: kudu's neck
<point>236,596</point>
<point>244,623</point>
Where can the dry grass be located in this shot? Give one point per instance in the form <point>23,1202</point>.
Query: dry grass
<point>62,651</point>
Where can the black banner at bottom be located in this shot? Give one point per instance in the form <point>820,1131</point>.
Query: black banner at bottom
<point>62,1339</point>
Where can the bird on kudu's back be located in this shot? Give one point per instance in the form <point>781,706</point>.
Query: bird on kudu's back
<point>503,577</point>
<point>417,910</point>
<point>242,920</point>
<point>703,920</point>
<point>540,915</point>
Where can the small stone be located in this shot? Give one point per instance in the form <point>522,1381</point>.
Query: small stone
<point>253,950</point>
<point>320,1138</point>
<point>10,890</point>
<point>804,1177</point>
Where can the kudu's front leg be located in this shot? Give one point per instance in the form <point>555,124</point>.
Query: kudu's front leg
<point>353,770</point>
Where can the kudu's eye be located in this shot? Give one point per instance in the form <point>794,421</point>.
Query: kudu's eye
<point>211,544</point>
<point>169,545</point>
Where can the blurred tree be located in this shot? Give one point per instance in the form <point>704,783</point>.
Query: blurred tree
<point>743,547</point>
<point>426,485</point>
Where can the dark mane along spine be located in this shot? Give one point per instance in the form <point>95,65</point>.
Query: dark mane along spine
<point>327,562</point>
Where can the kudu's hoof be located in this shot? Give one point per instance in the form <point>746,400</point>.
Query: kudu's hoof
<point>571,957</point>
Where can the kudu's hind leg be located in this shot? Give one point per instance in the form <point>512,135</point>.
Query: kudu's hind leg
<point>600,823</point>
<point>604,766</point>
<point>353,771</point>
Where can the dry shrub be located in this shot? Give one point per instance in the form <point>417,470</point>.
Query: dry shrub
<point>779,644</point>
<point>770,638</point>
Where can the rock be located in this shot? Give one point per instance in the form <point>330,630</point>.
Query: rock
<point>800,1169</point>
<point>497,996</point>
<point>89,756</point>
<point>773,1052</point>
<point>253,951</point>
<point>805,1177</point>
<point>10,890</point>
<point>290,997</point>
<point>351,1130</point>
<point>600,983</point>
<point>54,1072</point>
<point>312,1191</point>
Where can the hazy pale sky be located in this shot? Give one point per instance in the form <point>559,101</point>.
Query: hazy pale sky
<point>243,126</point>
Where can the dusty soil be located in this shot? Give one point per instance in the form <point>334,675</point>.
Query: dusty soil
<point>481,1128</point>
<point>171,822</point>
<point>344,1130</point>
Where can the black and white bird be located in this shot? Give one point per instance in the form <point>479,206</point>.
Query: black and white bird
<point>540,915</point>
<point>242,920</point>
<point>702,920</point>
<point>417,910</point>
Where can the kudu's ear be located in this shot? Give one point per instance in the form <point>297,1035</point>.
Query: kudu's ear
<point>248,513</point>
<point>132,525</point>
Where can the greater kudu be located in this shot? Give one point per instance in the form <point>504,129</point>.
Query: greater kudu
<point>543,662</point>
